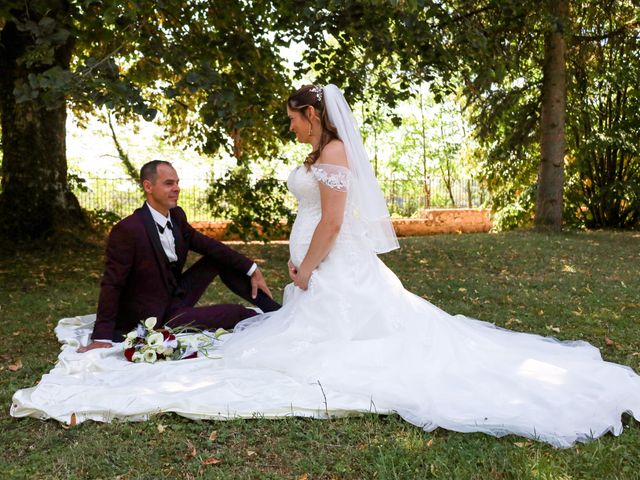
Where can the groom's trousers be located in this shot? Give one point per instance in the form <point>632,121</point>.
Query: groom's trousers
<point>192,283</point>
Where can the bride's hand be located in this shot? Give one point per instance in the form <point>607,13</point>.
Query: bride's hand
<point>293,270</point>
<point>300,278</point>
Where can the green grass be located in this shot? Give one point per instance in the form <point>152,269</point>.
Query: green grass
<point>572,286</point>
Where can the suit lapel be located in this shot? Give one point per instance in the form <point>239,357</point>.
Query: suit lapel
<point>154,238</point>
<point>181,250</point>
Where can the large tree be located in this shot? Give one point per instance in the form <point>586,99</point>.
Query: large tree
<point>35,194</point>
<point>214,72</point>
<point>599,173</point>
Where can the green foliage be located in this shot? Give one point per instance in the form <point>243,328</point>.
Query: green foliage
<point>76,182</point>
<point>214,73</point>
<point>603,161</point>
<point>128,166</point>
<point>215,76</point>
<point>603,168</point>
<point>103,219</point>
<point>257,208</point>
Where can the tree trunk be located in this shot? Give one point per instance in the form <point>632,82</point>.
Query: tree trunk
<point>35,200</point>
<point>548,214</point>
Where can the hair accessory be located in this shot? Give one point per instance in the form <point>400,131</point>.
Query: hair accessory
<point>318,91</point>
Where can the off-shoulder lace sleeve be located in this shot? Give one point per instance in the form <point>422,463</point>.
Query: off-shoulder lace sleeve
<point>333,176</point>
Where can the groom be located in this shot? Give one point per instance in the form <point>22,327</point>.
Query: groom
<point>143,275</point>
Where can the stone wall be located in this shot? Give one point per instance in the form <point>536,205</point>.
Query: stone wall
<point>431,222</point>
<point>435,221</point>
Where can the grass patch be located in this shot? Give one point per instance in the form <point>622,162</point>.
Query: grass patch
<point>572,286</point>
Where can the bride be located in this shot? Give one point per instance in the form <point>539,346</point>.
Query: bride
<point>349,337</point>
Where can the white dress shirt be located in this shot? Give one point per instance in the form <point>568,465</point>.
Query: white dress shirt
<point>167,240</point>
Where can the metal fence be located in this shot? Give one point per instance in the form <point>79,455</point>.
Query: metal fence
<point>404,197</point>
<point>407,197</point>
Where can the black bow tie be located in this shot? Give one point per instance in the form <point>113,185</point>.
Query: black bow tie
<point>161,228</point>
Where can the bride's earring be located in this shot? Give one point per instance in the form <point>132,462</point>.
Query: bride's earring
<point>310,128</point>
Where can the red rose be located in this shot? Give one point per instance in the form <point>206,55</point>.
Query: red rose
<point>193,355</point>
<point>165,334</point>
<point>128,353</point>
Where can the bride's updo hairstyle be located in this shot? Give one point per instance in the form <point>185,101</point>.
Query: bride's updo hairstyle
<point>300,101</point>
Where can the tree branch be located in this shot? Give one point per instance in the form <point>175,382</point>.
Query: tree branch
<point>624,28</point>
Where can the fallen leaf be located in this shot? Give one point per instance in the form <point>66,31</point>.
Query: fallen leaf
<point>512,321</point>
<point>214,436</point>
<point>14,367</point>
<point>462,290</point>
<point>16,333</point>
<point>74,420</point>
<point>251,453</point>
<point>552,328</point>
<point>430,442</point>
<point>161,428</point>
<point>192,451</point>
<point>609,342</point>
<point>522,444</point>
<point>211,461</point>
<point>304,476</point>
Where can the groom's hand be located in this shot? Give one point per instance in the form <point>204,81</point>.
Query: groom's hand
<point>258,282</point>
<point>93,345</point>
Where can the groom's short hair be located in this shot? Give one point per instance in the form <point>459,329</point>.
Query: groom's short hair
<point>149,170</point>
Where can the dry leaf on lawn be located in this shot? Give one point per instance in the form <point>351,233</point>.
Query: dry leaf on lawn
<point>14,367</point>
<point>211,461</point>
<point>522,444</point>
<point>192,452</point>
<point>214,436</point>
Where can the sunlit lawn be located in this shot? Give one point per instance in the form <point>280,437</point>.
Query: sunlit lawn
<point>573,286</point>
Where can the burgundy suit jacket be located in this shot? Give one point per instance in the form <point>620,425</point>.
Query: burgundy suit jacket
<point>137,281</point>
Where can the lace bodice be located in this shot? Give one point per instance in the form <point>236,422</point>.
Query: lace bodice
<point>305,185</point>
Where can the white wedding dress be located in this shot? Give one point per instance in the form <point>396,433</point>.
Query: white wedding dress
<point>355,341</point>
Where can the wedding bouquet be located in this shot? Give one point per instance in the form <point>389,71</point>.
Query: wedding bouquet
<point>146,344</point>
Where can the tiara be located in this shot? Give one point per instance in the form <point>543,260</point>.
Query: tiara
<point>318,91</point>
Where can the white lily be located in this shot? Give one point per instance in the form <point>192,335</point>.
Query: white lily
<point>150,356</point>
<point>155,339</point>
<point>150,322</point>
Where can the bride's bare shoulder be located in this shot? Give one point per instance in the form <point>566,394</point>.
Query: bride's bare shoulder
<point>334,153</point>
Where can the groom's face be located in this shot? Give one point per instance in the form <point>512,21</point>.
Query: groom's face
<point>162,194</point>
